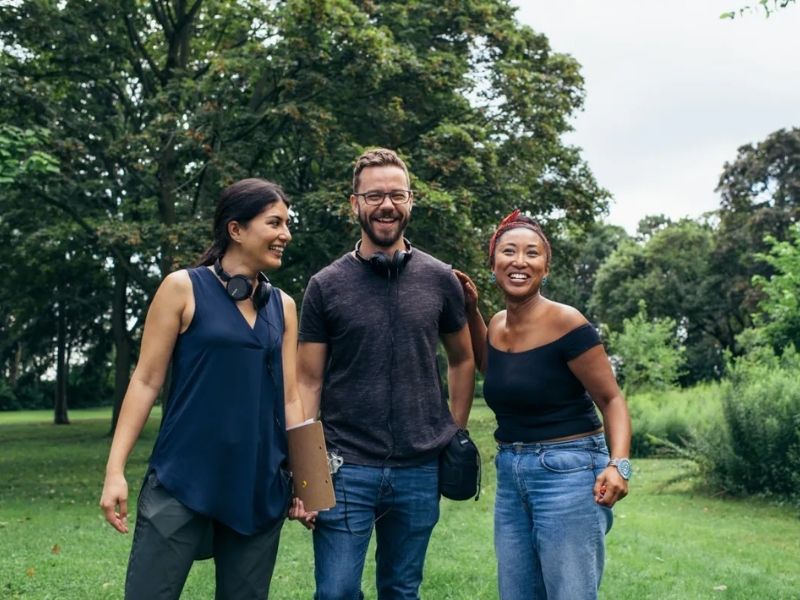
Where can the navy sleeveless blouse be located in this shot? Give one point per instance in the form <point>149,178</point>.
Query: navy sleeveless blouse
<point>533,393</point>
<point>222,443</point>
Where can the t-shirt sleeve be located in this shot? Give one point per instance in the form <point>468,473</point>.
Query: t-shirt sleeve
<point>454,315</point>
<point>578,341</point>
<point>312,316</point>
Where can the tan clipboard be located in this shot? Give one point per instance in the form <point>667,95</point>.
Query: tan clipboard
<point>308,461</point>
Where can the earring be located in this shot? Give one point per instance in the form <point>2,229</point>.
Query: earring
<point>492,277</point>
<point>545,281</point>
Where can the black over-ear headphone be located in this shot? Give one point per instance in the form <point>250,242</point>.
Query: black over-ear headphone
<point>240,288</point>
<point>382,264</point>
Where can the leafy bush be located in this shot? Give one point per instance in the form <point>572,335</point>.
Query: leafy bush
<point>675,416</point>
<point>757,450</point>
<point>8,399</point>
<point>649,354</point>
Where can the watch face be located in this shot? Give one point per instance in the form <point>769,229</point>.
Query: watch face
<point>624,467</point>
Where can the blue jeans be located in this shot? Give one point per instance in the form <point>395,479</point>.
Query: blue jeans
<point>402,505</point>
<point>549,533</point>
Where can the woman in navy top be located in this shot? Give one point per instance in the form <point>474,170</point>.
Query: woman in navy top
<point>546,370</point>
<point>215,480</point>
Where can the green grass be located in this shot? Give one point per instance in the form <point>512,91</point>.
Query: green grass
<point>665,543</point>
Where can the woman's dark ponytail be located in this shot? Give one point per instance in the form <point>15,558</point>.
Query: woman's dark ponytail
<point>210,256</point>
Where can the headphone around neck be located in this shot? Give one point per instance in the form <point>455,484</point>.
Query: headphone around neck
<point>239,287</point>
<point>382,264</point>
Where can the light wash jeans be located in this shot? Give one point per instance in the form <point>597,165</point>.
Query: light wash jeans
<point>402,505</point>
<point>548,530</point>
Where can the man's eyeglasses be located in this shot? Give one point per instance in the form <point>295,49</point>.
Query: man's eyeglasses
<point>396,196</point>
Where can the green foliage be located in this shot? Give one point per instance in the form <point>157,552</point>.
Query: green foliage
<point>701,275</point>
<point>767,6</point>
<point>649,352</point>
<point>668,268</point>
<point>19,156</point>
<point>8,399</point>
<point>676,416</point>
<point>757,448</point>
<point>153,107</point>
<point>577,256</point>
<point>758,198</point>
<point>778,318</point>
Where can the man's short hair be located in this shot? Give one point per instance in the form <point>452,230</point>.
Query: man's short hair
<point>377,157</point>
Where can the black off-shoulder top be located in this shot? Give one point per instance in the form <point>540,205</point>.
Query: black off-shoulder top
<point>533,393</point>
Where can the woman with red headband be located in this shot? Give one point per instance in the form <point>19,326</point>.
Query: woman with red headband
<point>546,369</point>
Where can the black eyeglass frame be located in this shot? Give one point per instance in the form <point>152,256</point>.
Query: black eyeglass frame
<point>408,195</point>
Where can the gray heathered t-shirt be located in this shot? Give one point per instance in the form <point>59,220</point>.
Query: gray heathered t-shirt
<point>381,397</point>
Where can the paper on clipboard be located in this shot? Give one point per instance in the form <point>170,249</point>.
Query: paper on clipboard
<point>308,461</point>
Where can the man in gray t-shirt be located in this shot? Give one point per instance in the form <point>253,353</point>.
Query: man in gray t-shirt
<point>369,328</point>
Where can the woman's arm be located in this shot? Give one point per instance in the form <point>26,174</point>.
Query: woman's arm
<point>593,369</point>
<point>169,314</point>
<point>477,326</point>
<point>291,396</point>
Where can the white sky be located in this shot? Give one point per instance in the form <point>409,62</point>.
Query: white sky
<point>672,91</point>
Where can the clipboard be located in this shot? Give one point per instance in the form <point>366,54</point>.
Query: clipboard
<point>308,461</point>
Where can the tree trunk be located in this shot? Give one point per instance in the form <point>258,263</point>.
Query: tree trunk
<point>122,341</point>
<point>16,361</point>
<point>60,416</point>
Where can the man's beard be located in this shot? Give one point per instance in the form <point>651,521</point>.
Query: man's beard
<point>383,241</point>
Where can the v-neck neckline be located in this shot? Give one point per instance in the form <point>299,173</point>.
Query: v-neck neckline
<point>235,304</point>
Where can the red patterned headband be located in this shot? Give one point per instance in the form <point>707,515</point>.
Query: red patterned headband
<point>510,221</point>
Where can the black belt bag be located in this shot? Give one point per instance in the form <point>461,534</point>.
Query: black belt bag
<point>460,468</point>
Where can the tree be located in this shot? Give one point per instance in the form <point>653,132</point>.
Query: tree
<point>778,316</point>
<point>668,268</point>
<point>45,310</point>
<point>577,257</point>
<point>759,198</point>
<point>155,106</point>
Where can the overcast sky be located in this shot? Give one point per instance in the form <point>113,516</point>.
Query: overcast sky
<point>671,92</point>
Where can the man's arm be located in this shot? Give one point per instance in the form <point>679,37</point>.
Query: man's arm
<point>460,374</point>
<point>311,359</point>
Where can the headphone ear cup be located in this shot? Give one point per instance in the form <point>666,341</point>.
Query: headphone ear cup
<point>238,287</point>
<point>399,261</point>
<point>263,292</point>
<point>380,263</point>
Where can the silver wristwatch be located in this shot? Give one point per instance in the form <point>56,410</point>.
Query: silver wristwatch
<point>623,465</point>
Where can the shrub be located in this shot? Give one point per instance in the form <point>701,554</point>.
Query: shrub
<point>757,450</point>
<point>8,399</point>
<point>650,355</point>
<point>674,416</point>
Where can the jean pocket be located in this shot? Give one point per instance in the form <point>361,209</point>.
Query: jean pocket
<point>566,461</point>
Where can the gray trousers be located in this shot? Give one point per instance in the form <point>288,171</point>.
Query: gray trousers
<point>169,537</point>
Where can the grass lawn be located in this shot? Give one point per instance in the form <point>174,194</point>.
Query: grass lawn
<point>665,543</point>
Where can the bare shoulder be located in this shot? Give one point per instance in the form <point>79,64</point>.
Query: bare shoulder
<point>177,280</point>
<point>498,320</point>
<point>564,317</point>
<point>176,287</point>
<point>289,309</point>
<point>288,301</point>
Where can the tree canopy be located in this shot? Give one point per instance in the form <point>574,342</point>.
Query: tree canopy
<point>153,107</point>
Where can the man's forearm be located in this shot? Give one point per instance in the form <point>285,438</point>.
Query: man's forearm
<point>461,379</point>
